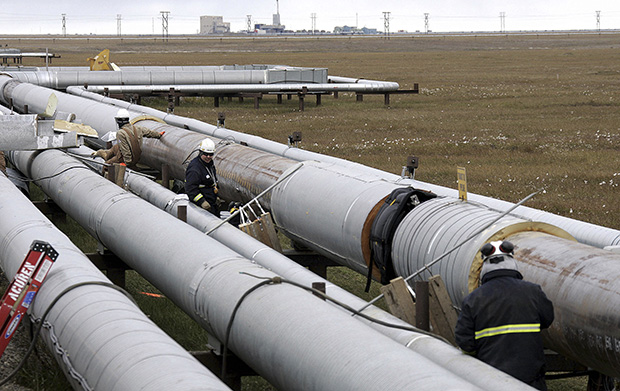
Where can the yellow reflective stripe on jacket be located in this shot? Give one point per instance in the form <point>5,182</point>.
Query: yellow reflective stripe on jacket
<point>509,329</point>
<point>199,196</point>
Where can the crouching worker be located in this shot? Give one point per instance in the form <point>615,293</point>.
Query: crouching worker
<point>500,322</point>
<point>201,178</point>
<point>128,149</point>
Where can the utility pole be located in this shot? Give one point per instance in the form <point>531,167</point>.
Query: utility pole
<point>249,23</point>
<point>118,24</point>
<point>64,25</point>
<point>386,24</point>
<point>426,23</point>
<point>502,20</point>
<point>164,24</point>
<point>313,17</point>
<point>598,21</point>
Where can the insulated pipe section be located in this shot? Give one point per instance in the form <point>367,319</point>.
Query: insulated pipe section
<point>583,232</point>
<point>442,224</point>
<point>222,79</point>
<point>60,80</point>
<point>386,85</point>
<point>458,288</point>
<point>219,89</point>
<point>240,181</point>
<point>333,217</point>
<point>586,297</point>
<point>99,337</point>
<point>469,368</point>
<point>243,172</point>
<point>293,339</point>
<point>580,280</point>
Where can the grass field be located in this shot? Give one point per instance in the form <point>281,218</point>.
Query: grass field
<point>519,112</point>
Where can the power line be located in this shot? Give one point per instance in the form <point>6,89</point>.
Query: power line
<point>313,17</point>
<point>386,24</point>
<point>502,18</point>
<point>164,24</point>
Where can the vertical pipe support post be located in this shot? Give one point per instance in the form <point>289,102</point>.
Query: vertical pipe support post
<point>421,305</point>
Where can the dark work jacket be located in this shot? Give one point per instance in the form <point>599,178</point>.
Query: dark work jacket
<point>500,324</point>
<point>200,182</point>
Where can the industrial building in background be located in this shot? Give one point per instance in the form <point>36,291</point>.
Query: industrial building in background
<point>213,25</point>
<point>354,30</point>
<point>275,28</point>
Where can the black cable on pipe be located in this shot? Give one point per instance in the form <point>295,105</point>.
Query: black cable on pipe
<point>279,280</point>
<point>232,318</point>
<point>37,330</point>
<point>48,177</point>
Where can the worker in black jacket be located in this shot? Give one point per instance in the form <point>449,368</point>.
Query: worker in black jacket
<point>500,322</point>
<point>201,178</point>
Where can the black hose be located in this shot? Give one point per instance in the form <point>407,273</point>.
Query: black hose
<point>40,322</point>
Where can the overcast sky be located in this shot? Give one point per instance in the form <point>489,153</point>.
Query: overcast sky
<point>144,17</point>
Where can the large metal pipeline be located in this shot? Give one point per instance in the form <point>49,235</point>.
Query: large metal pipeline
<point>199,79</point>
<point>216,90</point>
<point>587,289</point>
<point>351,200</point>
<point>295,340</point>
<point>437,351</point>
<point>314,224</point>
<point>61,79</point>
<point>580,280</point>
<point>99,337</point>
<point>584,232</point>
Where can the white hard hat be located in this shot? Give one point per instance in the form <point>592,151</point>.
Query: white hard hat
<point>497,248</point>
<point>497,255</point>
<point>122,113</point>
<point>207,146</point>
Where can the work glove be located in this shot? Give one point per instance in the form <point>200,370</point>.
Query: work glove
<point>123,164</point>
<point>162,133</point>
<point>205,205</point>
<point>220,201</point>
<point>98,153</point>
<point>215,189</point>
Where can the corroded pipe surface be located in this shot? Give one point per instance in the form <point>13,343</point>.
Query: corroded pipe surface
<point>582,282</point>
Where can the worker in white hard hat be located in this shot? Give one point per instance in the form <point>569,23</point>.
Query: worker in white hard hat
<point>500,321</point>
<point>128,149</point>
<point>201,178</point>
